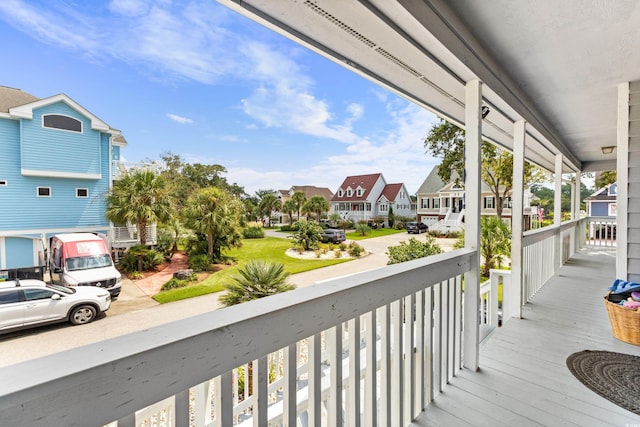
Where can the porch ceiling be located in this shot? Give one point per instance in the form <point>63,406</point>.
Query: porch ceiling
<point>556,65</point>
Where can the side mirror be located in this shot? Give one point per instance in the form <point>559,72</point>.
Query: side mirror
<point>57,269</point>
<point>55,297</point>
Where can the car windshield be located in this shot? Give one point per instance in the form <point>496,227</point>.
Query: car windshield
<point>59,288</point>
<point>87,262</point>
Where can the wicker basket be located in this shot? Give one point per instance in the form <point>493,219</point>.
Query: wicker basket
<point>625,322</point>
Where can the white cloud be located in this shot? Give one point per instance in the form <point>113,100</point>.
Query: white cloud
<point>399,155</point>
<point>179,119</point>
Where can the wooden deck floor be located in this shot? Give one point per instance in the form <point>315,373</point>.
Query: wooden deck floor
<point>523,379</point>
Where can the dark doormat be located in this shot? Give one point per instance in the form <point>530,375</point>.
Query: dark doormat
<point>614,376</point>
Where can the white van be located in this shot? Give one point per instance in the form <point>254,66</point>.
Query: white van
<point>83,259</point>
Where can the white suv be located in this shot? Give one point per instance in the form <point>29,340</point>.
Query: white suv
<point>28,303</point>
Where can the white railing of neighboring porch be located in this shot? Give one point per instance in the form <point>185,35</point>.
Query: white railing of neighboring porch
<point>601,231</point>
<point>493,310</point>
<point>403,326</point>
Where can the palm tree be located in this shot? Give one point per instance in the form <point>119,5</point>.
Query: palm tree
<point>140,197</point>
<point>256,279</point>
<point>299,198</point>
<point>289,207</point>
<point>215,213</point>
<point>495,242</point>
<point>268,204</point>
<point>317,205</point>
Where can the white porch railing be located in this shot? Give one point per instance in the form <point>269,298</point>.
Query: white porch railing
<point>601,231</point>
<point>493,311</point>
<point>403,329</point>
<point>541,250</point>
<point>127,236</point>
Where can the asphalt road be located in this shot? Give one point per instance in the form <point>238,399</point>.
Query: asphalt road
<point>134,310</point>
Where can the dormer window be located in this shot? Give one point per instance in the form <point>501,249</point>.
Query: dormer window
<point>340,193</point>
<point>349,192</point>
<point>57,121</point>
<point>359,192</point>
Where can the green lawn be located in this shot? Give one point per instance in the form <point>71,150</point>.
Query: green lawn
<point>374,233</point>
<point>268,248</point>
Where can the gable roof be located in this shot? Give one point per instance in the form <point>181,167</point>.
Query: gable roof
<point>390,192</point>
<point>602,195</point>
<point>366,182</point>
<point>311,190</point>
<point>18,104</point>
<point>433,183</point>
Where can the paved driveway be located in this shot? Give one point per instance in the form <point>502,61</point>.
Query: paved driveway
<point>134,310</point>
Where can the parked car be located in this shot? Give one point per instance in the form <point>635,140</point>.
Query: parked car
<point>333,235</point>
<point>416,227</point>
<point>28,303</point>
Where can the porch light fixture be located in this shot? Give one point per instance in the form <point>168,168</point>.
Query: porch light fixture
<point>608,150</point>
<point>485,111</point>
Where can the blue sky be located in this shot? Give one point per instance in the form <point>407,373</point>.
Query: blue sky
<point>201,81</point>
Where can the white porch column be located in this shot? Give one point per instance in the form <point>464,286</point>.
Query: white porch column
<point>517,214</point>
<point>622,174</point>
<point>578,235</point>
<point>473,143</point>
<point>557,213</point>
<point>575,206</point>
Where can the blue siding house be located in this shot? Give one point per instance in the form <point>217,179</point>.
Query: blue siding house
<point>603,202</point>
<point>57,160</point>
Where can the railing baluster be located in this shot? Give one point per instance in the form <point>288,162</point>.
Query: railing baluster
<point>409,369</point>
<point>334,346</point>
<point>354,372</point>
<point>225,412</point>
<point>428,351</point>
<point>385,366</point>
<point>371,373</point>
<point>396,396</point>
<point>260,395</point>
<point>315,380</point>
<point>290,406</point>
<point>436,386</point>
<point>419,404</point>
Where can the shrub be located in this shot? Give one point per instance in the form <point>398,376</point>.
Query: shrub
<point>337,253</point>
<point>355,250</point>
<point>140,258</point>
<point>199,262</point>
<point>173,284</point>
<point>253,233</point>
<point>318,253</point>
<point>414,249</point>
<point>363,229</point>
<point>135,275</point>
<point>293,227</point>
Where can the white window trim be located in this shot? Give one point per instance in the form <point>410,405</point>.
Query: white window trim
<point>3,182</point>
<point>63,130</point>
<point>40,195</point>
<point>82,197</point>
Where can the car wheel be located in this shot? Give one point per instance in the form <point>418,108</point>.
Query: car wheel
<point>82,314</point>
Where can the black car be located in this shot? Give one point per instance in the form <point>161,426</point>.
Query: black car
<point>416,227</point>
<point>333,235</point>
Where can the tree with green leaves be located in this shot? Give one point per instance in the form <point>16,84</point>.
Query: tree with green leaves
<point>216,214</point>
<point>605,178</point>
<point>446,141</point>
<point>289,207</point>
<point>317,205</point>
<point>495,242</point>
<point>391,218</point>
<point>413,249</point>
<point>140,197</point>
<point>256,279</point>
<point>299,198</point>
<point>269,203</point>
<point>307,235</point>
